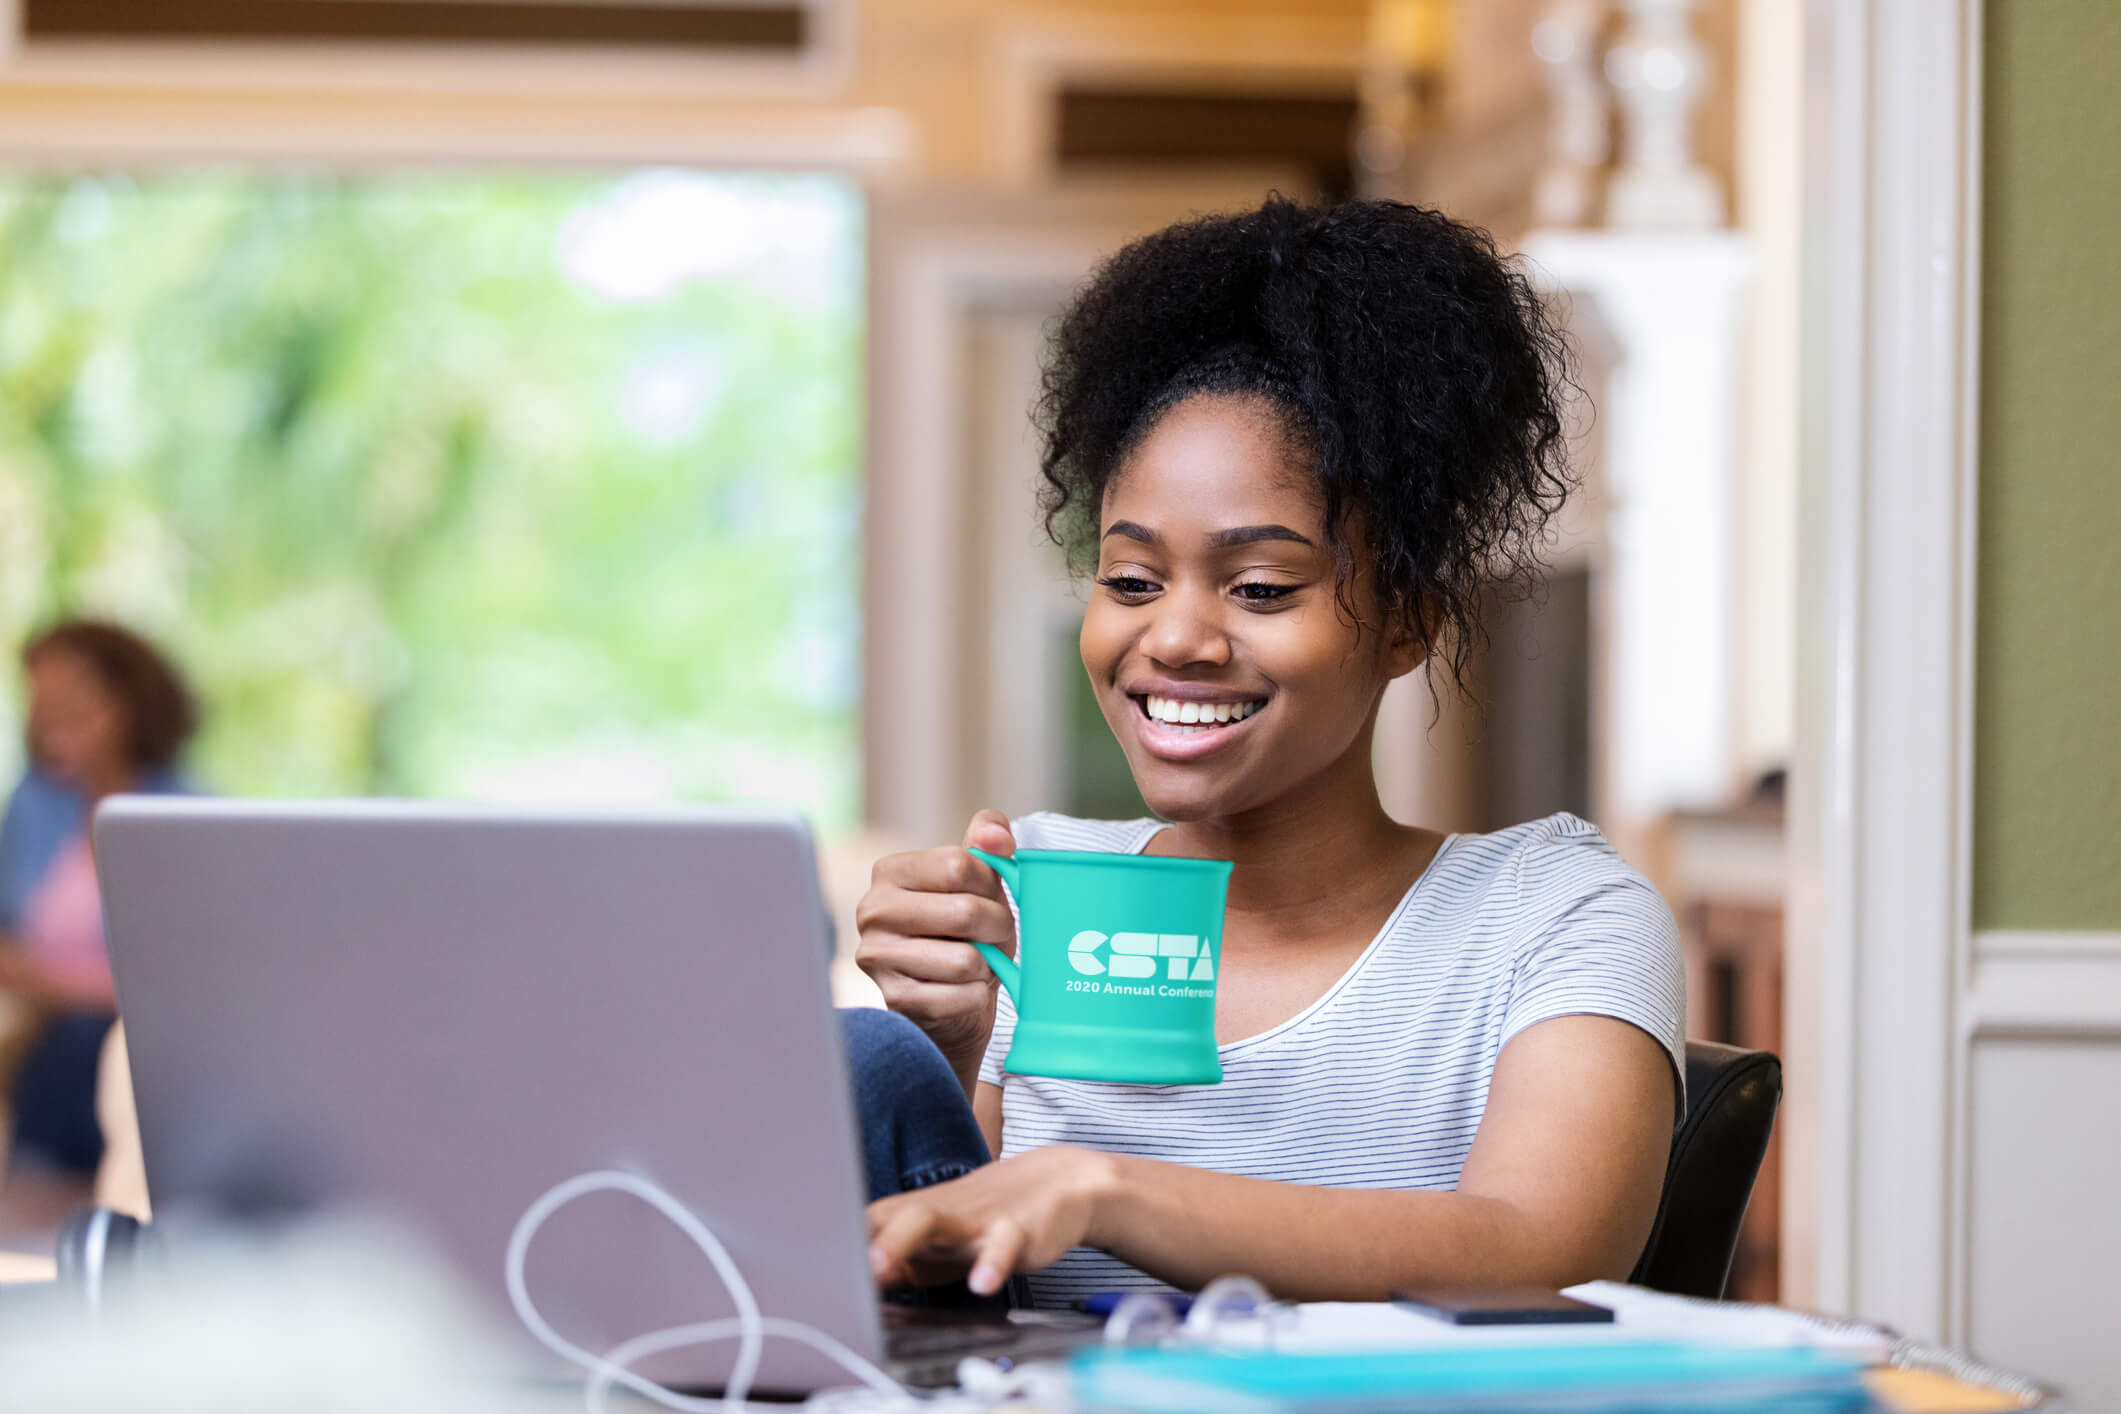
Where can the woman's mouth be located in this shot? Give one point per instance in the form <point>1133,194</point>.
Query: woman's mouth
<point>1201,716</point>
<point>1185,729</point>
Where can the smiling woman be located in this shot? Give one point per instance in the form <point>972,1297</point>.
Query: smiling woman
<point>1220,578</point>
<point>1295,447</point>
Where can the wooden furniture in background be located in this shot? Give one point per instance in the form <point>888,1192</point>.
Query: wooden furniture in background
<point>1723,872</point>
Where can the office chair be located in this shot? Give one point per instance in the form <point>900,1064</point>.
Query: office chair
<point>1731,1099</point>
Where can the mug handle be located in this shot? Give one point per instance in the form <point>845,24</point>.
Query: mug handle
<point>1003,966</point>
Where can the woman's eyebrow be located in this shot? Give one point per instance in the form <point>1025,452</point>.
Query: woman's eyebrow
<point>1253,534</point>
<point>1132,531</point>
<point>1217,540</point>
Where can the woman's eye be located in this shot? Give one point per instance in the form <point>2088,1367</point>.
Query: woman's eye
<point>1260,592</point>
<point>1126,585</point>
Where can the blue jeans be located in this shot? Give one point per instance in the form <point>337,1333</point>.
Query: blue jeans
<point>917,1128</point>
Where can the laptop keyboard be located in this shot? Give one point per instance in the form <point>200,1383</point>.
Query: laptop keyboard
<point>924,1345</point>
<point>957,1338</point>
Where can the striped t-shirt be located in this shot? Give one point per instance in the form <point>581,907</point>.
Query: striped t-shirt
<point>1380,1083</point>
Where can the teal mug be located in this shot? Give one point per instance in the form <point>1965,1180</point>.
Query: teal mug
<point>1117,956</point>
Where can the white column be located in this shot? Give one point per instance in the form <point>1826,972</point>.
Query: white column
<point>1770,147</point>
<point>1673,308</point>
<point>1877,1120</point>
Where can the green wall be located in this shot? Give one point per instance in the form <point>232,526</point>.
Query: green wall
<point>2047,730</point>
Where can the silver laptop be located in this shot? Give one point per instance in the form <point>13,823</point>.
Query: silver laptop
<point>444,1010</point>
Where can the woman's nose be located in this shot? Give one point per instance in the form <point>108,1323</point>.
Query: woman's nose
<point>1185,632</point>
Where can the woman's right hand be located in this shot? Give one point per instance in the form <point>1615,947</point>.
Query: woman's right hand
<point>922,911</point>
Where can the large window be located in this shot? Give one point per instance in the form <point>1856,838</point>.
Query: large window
<point>523,486</point>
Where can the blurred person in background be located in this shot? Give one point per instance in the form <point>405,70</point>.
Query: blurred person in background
<point>107,714</point>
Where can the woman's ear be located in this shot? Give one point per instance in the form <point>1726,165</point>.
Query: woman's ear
<point>1406,644</point>
<point>1404,655</point>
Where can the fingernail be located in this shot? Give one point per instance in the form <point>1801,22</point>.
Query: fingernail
<point>984,1280</point>
<point>879,1262</point>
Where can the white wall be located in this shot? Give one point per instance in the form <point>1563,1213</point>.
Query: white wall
<point>2043,1239</point>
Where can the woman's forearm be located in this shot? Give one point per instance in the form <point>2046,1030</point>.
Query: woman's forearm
<point>1188,1226</point>
<point>1561,1186</point>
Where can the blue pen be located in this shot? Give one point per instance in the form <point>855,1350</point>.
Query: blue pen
<point>1102,1303</point>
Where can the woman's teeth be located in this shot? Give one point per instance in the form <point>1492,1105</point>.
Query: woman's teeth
<point>1203,716</point>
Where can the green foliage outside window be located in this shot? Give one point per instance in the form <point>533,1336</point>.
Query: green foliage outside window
<point>526,485</point>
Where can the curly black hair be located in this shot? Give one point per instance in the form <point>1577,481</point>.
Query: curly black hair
<point>161,714</point>
<point>1415,368</point>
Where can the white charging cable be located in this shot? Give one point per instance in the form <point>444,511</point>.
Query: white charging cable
<point>749,1327</point>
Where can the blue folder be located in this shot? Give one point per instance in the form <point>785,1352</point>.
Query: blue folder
<point>1582,1379</point>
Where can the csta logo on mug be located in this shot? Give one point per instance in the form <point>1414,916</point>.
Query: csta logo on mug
<point>1135,955</point>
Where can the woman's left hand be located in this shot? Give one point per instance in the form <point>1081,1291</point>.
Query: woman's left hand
<point>1018,1215</point>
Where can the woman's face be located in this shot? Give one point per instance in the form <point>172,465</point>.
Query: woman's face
<point>1215,604</point>
<point>77,726</point>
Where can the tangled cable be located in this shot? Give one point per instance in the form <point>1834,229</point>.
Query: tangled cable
<point>1226,1303</point>
<point>749,1327</point>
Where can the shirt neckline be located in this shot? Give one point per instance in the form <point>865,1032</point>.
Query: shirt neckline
<point>1155,827</point>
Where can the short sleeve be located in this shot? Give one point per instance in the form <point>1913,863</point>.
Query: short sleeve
<point>41,817</point>
<point>1612,951</point>
<point>11,828</point>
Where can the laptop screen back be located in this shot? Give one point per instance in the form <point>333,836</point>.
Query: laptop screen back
<point>442,1011</point>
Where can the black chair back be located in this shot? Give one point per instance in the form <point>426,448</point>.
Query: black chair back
<point>1732,1096</point>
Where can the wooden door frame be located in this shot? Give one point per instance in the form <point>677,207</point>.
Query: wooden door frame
<point>1874,1209</point>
